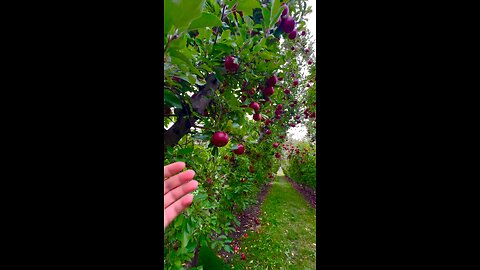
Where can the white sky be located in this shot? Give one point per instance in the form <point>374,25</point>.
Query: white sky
<point>299,131</point>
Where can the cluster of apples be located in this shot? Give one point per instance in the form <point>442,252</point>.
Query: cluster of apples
<point>287,23</point>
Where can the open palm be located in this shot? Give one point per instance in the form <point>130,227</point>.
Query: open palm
<point>177,187</point>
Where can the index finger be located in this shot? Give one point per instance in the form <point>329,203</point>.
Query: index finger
<point>172,169</point>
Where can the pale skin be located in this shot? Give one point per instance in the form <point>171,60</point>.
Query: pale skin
<point>176,188</point>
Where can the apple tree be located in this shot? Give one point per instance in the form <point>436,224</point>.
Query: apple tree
<point>232,89</point>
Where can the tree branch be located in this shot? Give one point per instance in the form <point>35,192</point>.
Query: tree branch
<point>186,119</point>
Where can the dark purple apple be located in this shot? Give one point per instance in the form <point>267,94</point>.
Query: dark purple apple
<point>268,91</point>
<point>231,64</point>
<point>288,24</point>
<point>220,139</point>
<point>272,81</point>
<point>255,106</point>
<point>292,34</point>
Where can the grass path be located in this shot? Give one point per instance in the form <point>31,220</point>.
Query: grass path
<point>286,238</point>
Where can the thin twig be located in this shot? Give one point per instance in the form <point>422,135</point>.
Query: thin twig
<point>221,19</point>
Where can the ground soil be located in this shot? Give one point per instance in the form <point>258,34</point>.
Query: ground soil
<point>309,193</point>
<point>248,221</point>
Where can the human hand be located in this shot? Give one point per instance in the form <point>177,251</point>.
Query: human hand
<point>175,191</point>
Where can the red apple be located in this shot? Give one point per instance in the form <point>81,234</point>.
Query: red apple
<point>272,81</point>
<point>288,24</point>
<point>285,10</point>
<point>255,106</point>
<point>220,139</point>
<point>292,34</point>
<point>275,145</point>
<point>257,117</point>
<point>240,150</point>
<point>231,64</point>
<point>268,91</point>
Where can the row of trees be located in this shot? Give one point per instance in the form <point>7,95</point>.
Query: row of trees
<point>233,87</point>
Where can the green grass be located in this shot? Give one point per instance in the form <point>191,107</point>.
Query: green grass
<point>287,236</point>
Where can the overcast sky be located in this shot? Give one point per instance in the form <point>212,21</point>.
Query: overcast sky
<point>300,131</point>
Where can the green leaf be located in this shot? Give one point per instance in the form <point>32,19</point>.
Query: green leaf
<point>179,55</point>
<point>228,248</point>
<point>226,35</point>
<point>248,21</point>
<point>205,20</point>
<point>266,18</point>
<point>171,99</point>
<point>182,12</point>
<point>231,99</point>
<point>247,6</point>
<point>276,12</point>
<point>185,239</point>
<point>186,151</point>
<point>202,136</point>
<point>167,17</point>
<point>215,151</point>
<point>179,43</point>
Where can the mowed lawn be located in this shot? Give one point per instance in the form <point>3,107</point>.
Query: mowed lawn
<point>286,238</point>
